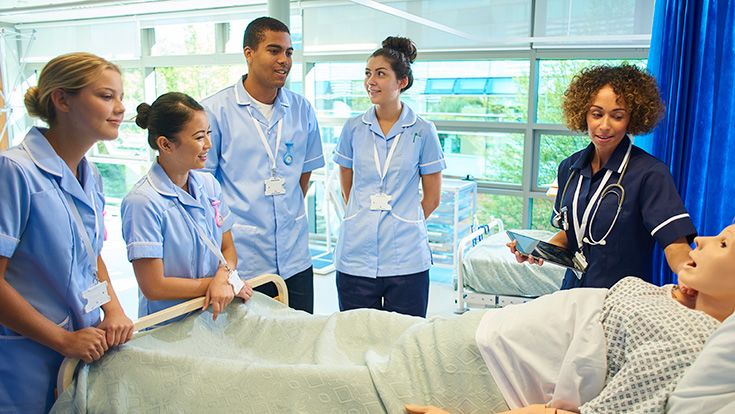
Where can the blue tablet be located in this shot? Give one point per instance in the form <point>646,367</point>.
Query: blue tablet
<point>547,251</point>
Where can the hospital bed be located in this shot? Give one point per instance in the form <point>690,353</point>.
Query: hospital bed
<point>488,276</point>
<point>263,357</point>
<point>69,365</point>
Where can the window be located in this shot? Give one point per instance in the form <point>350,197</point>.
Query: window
<point>183,39</point>
<point>196,81</point>
<point>507,208</point>
<point>495,156</point>
<point>552,150</point>
<point>555,76</point>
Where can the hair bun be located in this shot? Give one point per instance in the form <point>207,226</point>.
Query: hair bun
<point>32,103</point>
<point>141,119</point>
<point>401,45</point>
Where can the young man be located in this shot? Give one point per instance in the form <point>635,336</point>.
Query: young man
<point>265,143</point>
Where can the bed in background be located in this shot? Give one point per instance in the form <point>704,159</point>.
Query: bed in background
<point>487,275</point>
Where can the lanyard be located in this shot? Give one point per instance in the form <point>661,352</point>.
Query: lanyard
<point>207,241</point>
<point>264,141</point>
<point>388,159</point>
<point>579,228</point>
<point>91,256</point>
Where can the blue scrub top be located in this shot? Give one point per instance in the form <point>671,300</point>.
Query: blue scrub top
<point>386,243</point>
<point>652,212</point>
<point>48,264</point>
<point>154,227</point>
<point>271,232</point>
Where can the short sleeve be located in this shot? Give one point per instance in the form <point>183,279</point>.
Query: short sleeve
<point>707,386</point>
<point>663,211</point>
<point>15,210</point>
<point>314,154</point>
<point>431,159</point>
<point>213,155</point>
<point>141,227</point>
<point>343,152</point>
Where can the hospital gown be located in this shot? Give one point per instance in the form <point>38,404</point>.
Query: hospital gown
<point>651,340</point>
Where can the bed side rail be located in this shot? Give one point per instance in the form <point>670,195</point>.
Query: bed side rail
<point>464,245</point>
<point>69,365</point>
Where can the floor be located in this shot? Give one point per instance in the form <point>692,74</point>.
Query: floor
<point>441,299</point>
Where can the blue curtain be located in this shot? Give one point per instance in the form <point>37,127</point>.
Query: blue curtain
<point>692,56</point>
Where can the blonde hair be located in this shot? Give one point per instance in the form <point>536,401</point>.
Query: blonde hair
<point>69,72</point>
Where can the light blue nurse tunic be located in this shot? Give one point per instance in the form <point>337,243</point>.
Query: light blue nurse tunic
<point>376,243</point>
<point>48,263</point>
<point>270,232</point>
<point>154,226</point>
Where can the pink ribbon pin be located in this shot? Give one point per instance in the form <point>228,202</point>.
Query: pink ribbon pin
<point>217,217</point>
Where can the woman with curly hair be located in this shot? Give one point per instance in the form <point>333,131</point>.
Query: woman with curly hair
<point>616,199</point>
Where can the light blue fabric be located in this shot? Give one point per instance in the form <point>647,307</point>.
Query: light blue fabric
<point>270,232</point>
<point>386,243</point>
<point>693,58</point>
<point>48,264</point>
<point>708,386</point>
<point>153,226</point>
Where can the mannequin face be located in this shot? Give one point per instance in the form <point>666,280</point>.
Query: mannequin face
<point>711,270</point>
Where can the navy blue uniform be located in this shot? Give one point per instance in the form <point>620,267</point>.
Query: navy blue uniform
<point>652,212</point>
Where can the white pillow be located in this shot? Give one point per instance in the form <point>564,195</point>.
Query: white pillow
<point>708,386</point>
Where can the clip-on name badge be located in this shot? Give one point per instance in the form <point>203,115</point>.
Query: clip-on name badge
<point>380,202</point>
<point>275,186</point>
<point>96,296</point>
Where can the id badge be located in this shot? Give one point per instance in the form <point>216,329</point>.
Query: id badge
<point>275,186</point>
<point>581,261</point>
<point>95,296</point>
<point>380,202</point>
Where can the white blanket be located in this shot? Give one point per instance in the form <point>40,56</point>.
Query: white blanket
<point>551,350</point>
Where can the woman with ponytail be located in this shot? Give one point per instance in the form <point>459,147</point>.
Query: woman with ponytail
<point>174,222</point>
<point>52,278</point>
<point>383,255</point>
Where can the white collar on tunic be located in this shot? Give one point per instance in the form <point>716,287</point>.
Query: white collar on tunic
<point>407,118</point>
<point>242,97</point>
<point>43,155</point>
<point>161,182</point>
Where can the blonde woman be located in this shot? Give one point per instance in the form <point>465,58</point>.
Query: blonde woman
<point>52,278</point>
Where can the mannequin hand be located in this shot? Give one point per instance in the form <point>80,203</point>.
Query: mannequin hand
<point>423,409</point>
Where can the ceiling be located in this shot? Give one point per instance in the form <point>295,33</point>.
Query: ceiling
<point>34,11</point>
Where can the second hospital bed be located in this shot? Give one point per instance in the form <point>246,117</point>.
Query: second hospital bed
<point>488,275</point>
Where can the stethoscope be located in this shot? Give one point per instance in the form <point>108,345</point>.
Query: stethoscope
<point>561,219</point>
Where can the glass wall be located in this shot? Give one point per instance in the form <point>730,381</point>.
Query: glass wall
<point>489,77</point>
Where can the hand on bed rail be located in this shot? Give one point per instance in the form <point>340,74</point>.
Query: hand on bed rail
<point>219,294</point>
<point>117,326</point>
<point>520,258</point>
<point>88,344</point>
<point>246,292</point>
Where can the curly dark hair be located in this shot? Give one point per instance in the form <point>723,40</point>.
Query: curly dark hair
<point>635,88</point>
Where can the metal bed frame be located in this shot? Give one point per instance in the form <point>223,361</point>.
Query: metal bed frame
<point>467,299</point>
